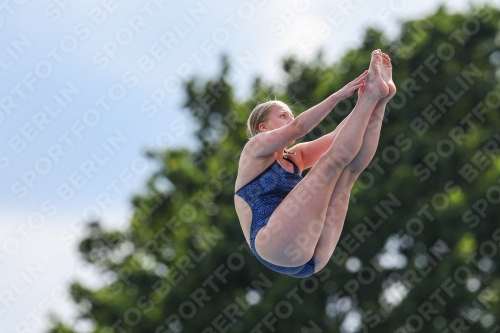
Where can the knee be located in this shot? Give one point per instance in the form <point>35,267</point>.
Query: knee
<point>351,174</point>
<point>337,160</point>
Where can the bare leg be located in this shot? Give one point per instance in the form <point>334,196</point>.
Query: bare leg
<point>293,230</point>
<point>339,201</point>
<point>372,134</point>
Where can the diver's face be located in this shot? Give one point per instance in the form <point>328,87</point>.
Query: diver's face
<point>279,116</point>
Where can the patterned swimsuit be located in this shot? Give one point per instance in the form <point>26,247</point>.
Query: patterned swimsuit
<point>263,194</point>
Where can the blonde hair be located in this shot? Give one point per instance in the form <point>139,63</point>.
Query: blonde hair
<point>259,115</point>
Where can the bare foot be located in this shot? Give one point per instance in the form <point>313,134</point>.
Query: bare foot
<point>386,73</point>
<point>375,86</point>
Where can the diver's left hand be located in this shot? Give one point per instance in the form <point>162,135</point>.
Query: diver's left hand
<point>351,87</point>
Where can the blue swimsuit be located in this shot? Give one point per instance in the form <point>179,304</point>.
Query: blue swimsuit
<point>263,194</point>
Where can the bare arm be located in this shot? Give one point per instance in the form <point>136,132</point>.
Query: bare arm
<point>308,119</point>
<point>266,143</point>
<point>311,151</point>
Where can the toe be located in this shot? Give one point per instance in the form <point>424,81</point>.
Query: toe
<point>376,55</point>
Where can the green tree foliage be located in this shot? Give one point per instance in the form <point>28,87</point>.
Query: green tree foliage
<point>419,248</point>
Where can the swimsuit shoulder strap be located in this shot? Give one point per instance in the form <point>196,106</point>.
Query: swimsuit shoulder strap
<point>295,167</point>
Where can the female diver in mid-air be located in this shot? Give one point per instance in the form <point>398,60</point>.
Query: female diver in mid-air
<point>293,224</point>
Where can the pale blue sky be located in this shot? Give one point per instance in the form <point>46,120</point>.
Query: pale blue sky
<point>46,155</point>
